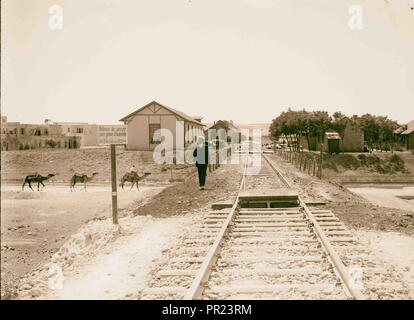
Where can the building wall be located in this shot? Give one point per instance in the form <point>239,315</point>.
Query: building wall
<point>138,128</point>
<point>410,141</point>
<point>137,133</point>
<point>90,136</point>
<point>17,136</point>
<point>353,140</point>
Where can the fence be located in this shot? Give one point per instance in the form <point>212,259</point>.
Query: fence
<point>308,162</point>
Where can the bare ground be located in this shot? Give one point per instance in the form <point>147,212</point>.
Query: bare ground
<point>65,162</point>
<point>103,262</point>
<point>36,224</point>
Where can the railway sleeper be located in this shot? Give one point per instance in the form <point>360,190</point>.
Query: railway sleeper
<point>270,233</point>
<point>338,228</point>
<point>275,240</point>
<point>271,248</point>
<point>331,224</point>
<point>337,233</point>
<point>271,220</point>
<point>268,258</point>
<point>270,288</point>
<point>288,210</point>
<point>271,225</point>
<point>269,213</point>
<point>269,229</point>
<point>215,218</point>
<point>268,216</point>
<point>326,219</point>
<point>270,271</point>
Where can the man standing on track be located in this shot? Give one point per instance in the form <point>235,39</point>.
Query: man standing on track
<point>201,157</point>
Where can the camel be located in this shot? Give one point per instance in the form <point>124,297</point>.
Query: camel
<point>80,178</point>
<point>36,178</point>
<point>132,177</point>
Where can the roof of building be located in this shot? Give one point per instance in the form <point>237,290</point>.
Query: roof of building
<point>410,128</point>
<point>332,135</point>
<point>179,113</point>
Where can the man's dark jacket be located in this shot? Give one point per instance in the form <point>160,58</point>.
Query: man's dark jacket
<point>200,150</point>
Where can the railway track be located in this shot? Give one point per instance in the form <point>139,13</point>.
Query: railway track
<point>271,245</point>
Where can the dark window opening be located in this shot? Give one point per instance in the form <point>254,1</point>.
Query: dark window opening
<point>153,137</point>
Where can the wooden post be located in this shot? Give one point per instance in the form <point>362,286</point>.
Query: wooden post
<point>320,161</point>
<point>114,186</point>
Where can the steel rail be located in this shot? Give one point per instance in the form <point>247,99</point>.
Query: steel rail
<point>336,260</point>
<point>197,286</point>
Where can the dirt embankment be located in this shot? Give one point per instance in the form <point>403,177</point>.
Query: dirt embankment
<point>380,167</point>
<point>355,211</point>
<point>185,197</point>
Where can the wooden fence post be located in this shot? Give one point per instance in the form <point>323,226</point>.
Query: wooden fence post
<point>320,162</point>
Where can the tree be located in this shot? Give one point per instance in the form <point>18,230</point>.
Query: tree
<point>379,131</point>
<point>319,123</point>
<point>290,125</point>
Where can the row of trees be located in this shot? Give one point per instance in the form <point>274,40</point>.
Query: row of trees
<point>379,131</point>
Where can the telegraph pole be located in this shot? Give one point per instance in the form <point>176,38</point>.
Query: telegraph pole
<point>114,186</point>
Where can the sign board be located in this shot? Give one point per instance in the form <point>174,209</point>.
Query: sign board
<point>108,134</point>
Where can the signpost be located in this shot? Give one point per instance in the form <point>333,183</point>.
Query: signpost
<point>114,186</point>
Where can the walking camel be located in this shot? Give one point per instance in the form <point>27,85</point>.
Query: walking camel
<point>36,178</point>
<point>132,177</point>
<point>82,178</point>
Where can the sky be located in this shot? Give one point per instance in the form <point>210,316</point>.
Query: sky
<point>240,60</point>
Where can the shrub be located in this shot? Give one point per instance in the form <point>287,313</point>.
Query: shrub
<point>348,161</point>
<point>396,163</point>
<point>51,143</point>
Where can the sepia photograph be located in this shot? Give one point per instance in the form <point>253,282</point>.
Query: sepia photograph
<point>223,151</point>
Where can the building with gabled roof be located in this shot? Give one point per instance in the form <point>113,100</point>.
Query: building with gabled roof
<point>409,135</point>
<point>142,126</point>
